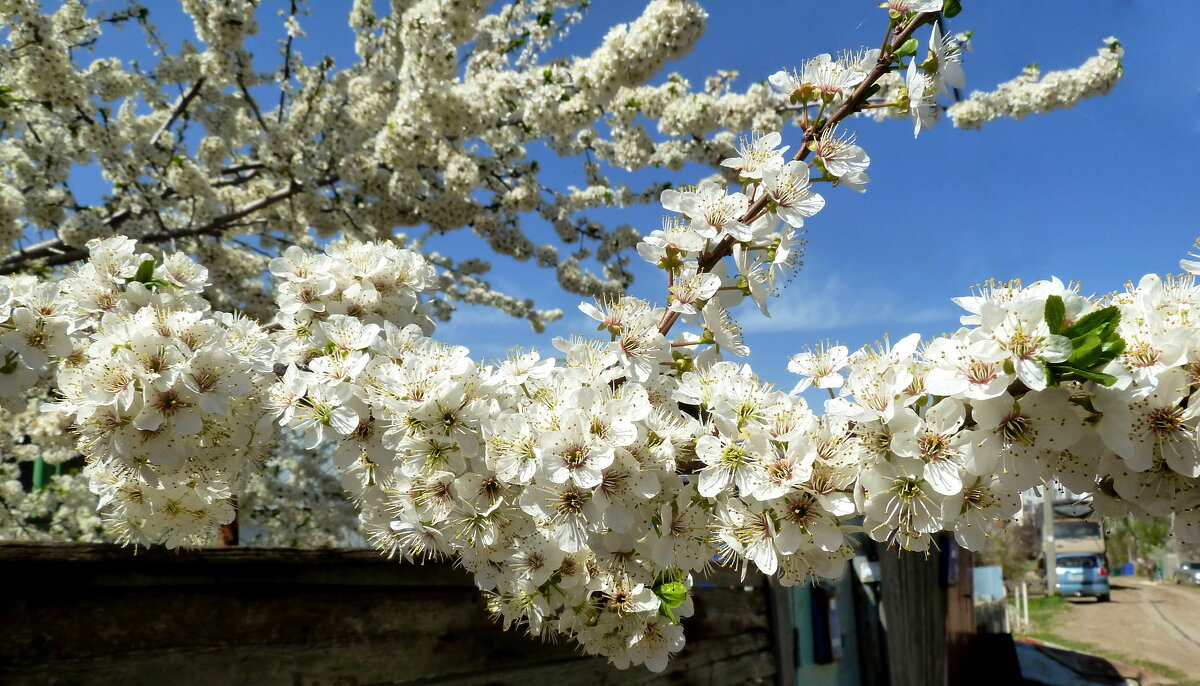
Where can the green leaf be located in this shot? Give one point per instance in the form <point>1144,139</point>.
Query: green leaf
<point>1113,347</point>
<point>1094,321</point>
<point>1102,379</point>
<point>666,612</point>
<point>1056,313</point>
<point>951,8</point>
<point>909,47</point>
<point>671,593</point>
<point>1109,329</point>
<point>145,272</point>
<point>1086,353</point>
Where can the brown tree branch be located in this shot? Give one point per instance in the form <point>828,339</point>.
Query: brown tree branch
<point>55,252</point>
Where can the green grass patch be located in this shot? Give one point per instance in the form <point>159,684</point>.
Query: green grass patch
<point>1042,610</point>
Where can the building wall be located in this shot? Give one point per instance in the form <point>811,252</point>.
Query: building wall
<point>845,671</point>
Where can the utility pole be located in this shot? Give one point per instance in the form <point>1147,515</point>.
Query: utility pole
<point>1048,556</point>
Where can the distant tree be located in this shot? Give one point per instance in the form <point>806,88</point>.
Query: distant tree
<point>1010,548</point>
<point>1130,538</point>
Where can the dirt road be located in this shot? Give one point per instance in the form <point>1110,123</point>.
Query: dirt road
<point>1158,622</point>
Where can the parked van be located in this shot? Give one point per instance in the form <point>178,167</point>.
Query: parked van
<point>1083,574</point>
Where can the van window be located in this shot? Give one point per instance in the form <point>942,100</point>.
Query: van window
<point>1079,562</point>
<point>1076,529</point>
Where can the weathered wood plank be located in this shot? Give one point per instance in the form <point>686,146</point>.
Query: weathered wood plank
<point>266,616</point>
<point>742,659</point>
<point>783,637</point>
<point>127,566</point>
<point>960,620</point>
<point>914,613</point>
<point>111,565</point>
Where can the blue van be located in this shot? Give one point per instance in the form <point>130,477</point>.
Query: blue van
<point>1083,574</point>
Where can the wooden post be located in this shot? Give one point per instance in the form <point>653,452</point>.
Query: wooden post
<point>928,612</point>
<point>960,614</point>
<point>914,615</point>
<point>868,618</point>
<point>783,636</point>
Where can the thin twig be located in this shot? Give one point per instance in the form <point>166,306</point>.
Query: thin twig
<point>248,166</point>
<point>287,68</point>
<point>178,109</point>
<point>250,98</point>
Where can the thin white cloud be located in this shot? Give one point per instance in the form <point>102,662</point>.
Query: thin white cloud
<point>810,304</point>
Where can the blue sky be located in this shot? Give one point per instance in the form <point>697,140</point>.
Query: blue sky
<point>1101,194</point>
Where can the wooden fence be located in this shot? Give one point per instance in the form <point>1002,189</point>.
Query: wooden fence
<point>95,614</point>
<point>929,614</point>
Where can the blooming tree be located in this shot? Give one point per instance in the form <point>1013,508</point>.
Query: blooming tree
<point>583,493</point>
<point>209,151</point>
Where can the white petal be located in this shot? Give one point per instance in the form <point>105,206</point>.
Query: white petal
<point>944,477</point>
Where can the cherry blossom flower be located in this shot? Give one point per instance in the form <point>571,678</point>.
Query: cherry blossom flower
<point>756,153</point>
<point>820,368</point>
<point>790,191</point>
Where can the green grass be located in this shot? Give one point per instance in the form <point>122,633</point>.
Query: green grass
<point>1042,612</point>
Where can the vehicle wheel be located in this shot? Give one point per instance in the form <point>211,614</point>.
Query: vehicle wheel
<point>1103,598</point>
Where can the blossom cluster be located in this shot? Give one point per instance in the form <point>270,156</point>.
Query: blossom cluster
<point>164,393</point>
<point>582,496</point>
<point>1043,383</point>
<point>34,330</point>
<point>370,283</point>
<point>583,493</point>
<point>541,480</point>
<point>1035,93</point>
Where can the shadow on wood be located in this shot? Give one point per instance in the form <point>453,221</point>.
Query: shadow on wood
<point>102,614</point>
